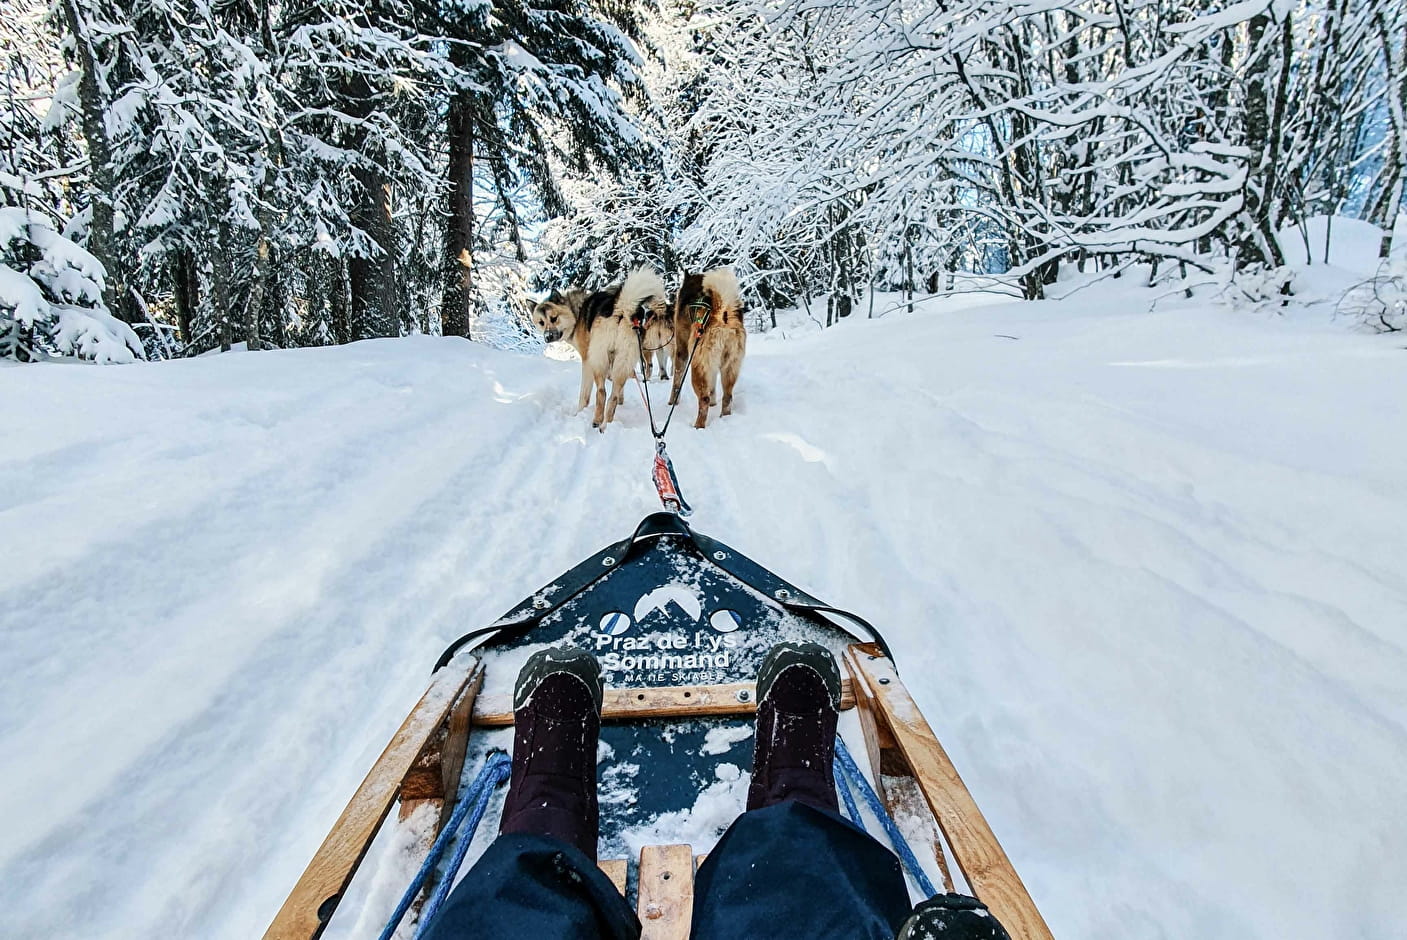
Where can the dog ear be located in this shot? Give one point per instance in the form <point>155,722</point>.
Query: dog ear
<point>555,297</point>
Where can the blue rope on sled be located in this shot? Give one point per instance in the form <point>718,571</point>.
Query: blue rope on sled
<point>851,810</point>
<point>848,777</point>
<point>472,805</point>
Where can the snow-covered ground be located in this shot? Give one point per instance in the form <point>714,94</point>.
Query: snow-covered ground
<point>1142,570</point>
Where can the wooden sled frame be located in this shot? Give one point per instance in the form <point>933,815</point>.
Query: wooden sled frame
<point>424,760</point>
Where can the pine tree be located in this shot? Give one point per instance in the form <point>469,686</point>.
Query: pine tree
<point>539,89</point>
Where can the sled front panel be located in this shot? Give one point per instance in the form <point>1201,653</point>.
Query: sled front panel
<point>663,616</point>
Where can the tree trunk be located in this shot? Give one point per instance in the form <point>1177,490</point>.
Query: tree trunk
<point>909,267</point>
<point>1384,211</point>
<point>1258,245</point>
<point>220,288</point>
<point>187,283</point>
<point>456,304</point>
<point>276,304</point>
<point>254,303</point>
<point>374,303</point>
<point>102,242</point>
<point>1277,204</point>
<point>339,301</point>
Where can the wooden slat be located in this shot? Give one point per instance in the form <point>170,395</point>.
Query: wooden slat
<point>423,781</point>
<point>676,701</point>
<point>666,892</point>
<point>456,746</point>
<point>327,875</point>
<point>869,727</point>
<point>615,869</point>
<point>433,781</point>
<point>980,856</point>
<point>887,761</point>
<point>436,772</point>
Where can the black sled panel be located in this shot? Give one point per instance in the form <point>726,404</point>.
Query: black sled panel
<point>666,607</point>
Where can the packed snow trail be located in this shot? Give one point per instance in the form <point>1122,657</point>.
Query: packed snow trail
<point>1142,572</point>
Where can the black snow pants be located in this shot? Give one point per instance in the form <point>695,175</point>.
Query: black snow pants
<point>785,871</point>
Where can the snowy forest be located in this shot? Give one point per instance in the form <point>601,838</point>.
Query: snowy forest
<point>178,176</point>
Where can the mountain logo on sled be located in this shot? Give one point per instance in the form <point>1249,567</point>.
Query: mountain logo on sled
<point>660,598</point>
<point>688,608</point>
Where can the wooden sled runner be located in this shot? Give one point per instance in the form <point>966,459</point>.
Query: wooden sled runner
<point>679,623</point>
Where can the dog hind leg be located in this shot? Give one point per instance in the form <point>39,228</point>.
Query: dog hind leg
<point>598,419</point>
<point>617,396</point>
<point>702,374</point>
<point>622,371</point>
<point>732,365</point>
<point>682,338</point>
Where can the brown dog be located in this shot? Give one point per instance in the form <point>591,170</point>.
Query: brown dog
<point>709,310</point>
<point>598,325</point>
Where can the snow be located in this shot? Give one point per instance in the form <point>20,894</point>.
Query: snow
<point>1141,570</point>
<point>19,293</point>
<point>702,824</point>
<point>720,740</point>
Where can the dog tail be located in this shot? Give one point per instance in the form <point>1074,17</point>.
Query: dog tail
<point>724,286</point>
<point>642,288</point>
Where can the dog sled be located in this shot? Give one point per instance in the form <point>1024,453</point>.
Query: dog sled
<point>679,623</point>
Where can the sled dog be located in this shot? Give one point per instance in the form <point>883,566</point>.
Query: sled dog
<point>598,325</point>
<point>615,348</point>
<point>659,339</point>
<point>709,307</point>
<point>558,318</point>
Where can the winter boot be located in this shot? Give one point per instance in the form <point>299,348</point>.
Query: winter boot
<point>798,702</point>
<point>952,917</point>
<point>557,721</point>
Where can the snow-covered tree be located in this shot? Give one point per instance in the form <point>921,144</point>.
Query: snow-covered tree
<point>51,296</point>
<point>51,290</point>
<point>540,92</point>
<point>268,173</point>
<point>898,137</point>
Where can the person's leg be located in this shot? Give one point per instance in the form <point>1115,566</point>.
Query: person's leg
<point>539,877</point>
<point>534,886</point>
<point>792,870</point>
<point>791,866</point>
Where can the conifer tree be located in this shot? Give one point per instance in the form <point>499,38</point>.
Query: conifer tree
<point>539,88</point>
